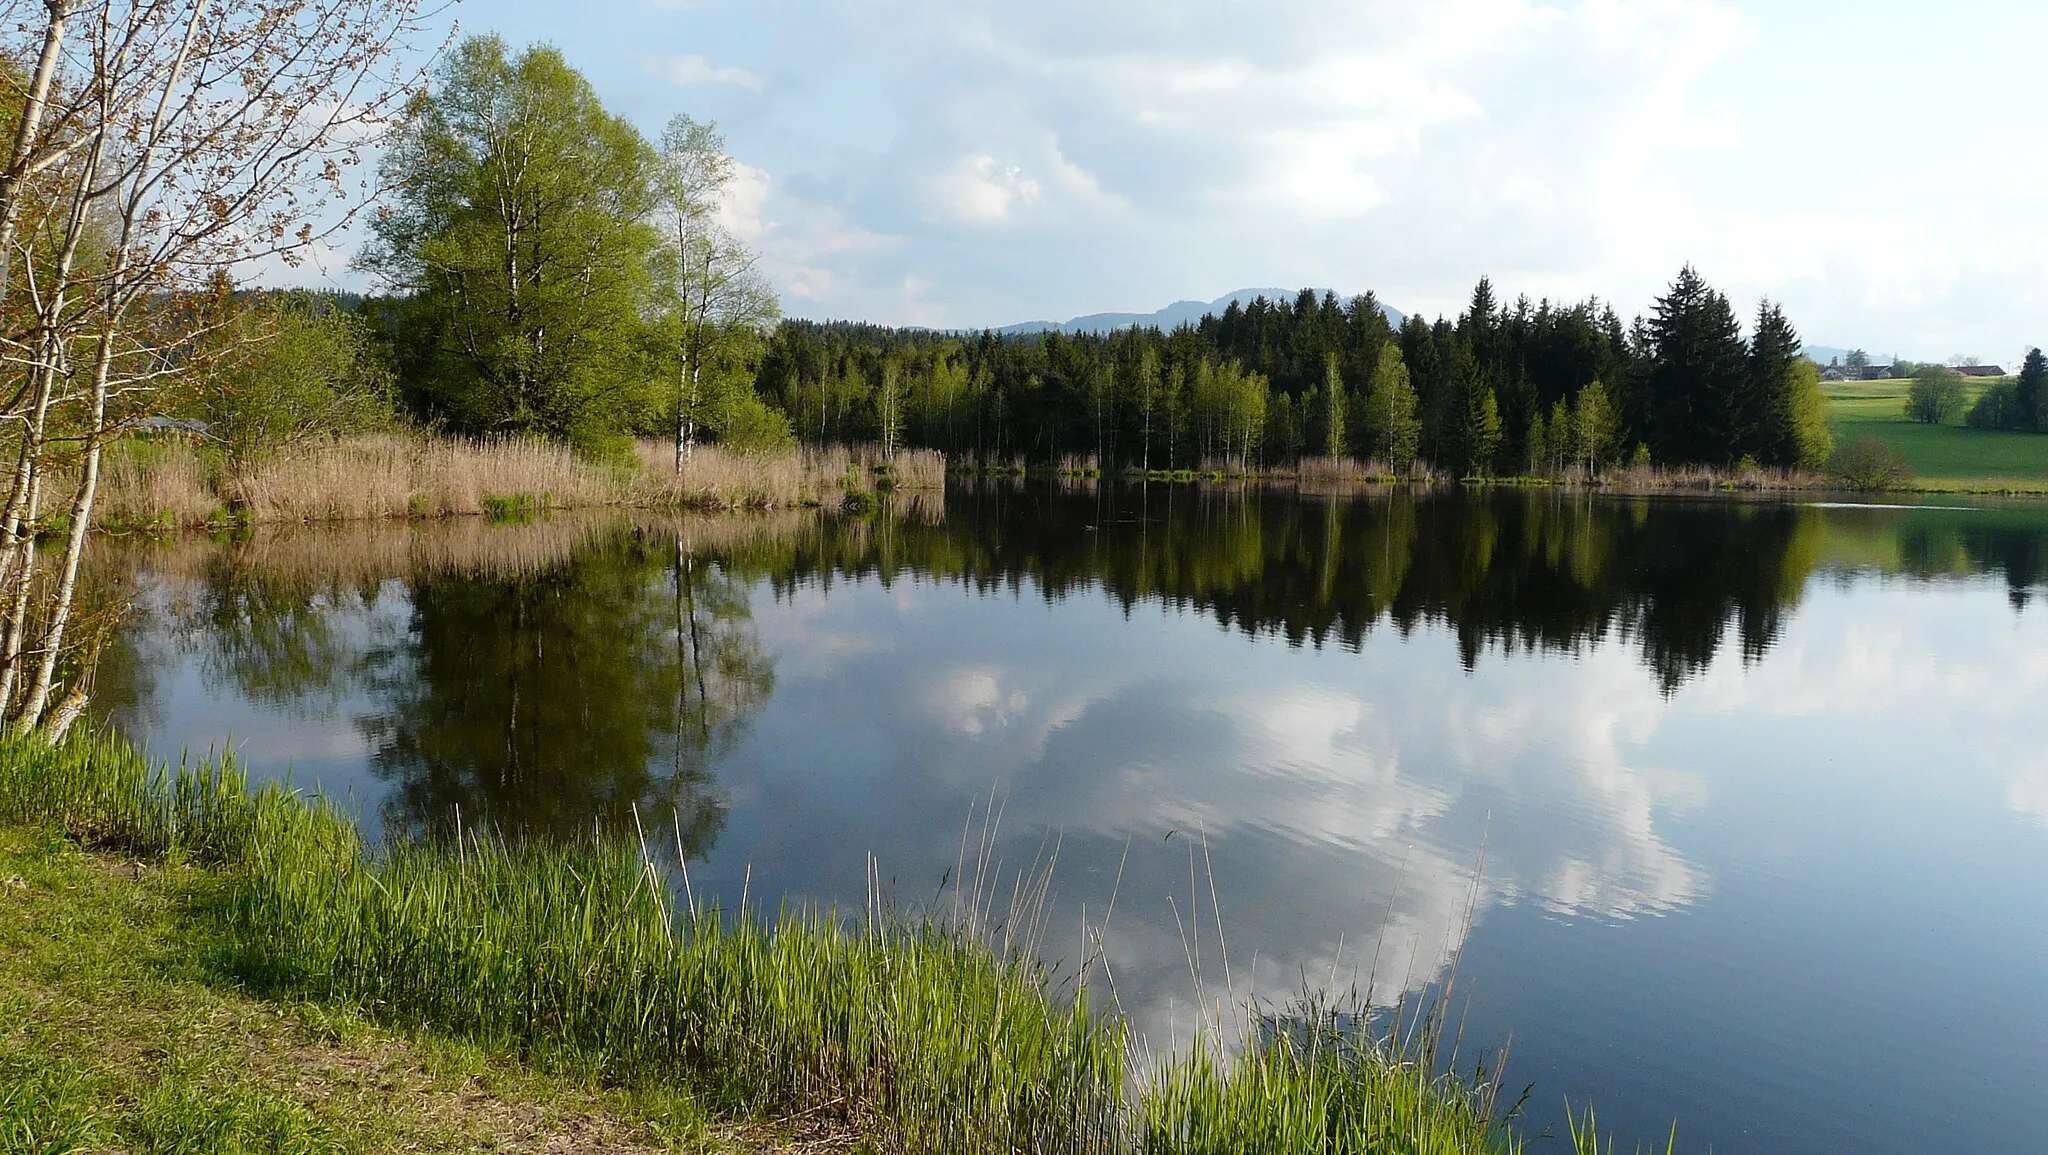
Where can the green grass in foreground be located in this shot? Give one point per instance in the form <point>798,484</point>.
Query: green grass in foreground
<point>114,1036</point>
<point>1942,457</point>
<point>907,1036</point>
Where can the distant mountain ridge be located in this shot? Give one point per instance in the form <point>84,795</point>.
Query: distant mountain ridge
<point>1828,354</point>
<point>1175,315</point>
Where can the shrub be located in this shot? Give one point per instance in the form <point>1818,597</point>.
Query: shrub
<point>511,507</point>
<point>1869,464</point>
<point>748,423</point>
<point>1936,397</point>
<point>1998,408</point>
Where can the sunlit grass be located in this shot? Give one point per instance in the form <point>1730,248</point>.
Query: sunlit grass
<point>1944,458</point>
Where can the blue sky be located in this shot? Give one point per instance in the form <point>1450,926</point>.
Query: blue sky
<point>1877,166</point>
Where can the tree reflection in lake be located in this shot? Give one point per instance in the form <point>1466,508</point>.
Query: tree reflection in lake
<point>538,690</point>
<point>1553,572</point>
<point>542,702</point>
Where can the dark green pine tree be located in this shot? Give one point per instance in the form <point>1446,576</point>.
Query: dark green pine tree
<point>1480,322</point>
<point>1766,425</point>
<point>2032,392</point>
<point>1697,372</point>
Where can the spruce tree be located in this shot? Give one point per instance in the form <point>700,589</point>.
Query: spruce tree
<point>1475,416</point>
<point>1697,375</point>
<point>2032,392</point>
<point>1766,426</point>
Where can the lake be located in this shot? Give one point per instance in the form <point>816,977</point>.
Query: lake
<point>1733,813</point>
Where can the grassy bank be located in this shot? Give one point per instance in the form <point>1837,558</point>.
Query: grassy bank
<point>1943,458</point>
<point>175,482</point>
<point>935,1034</point>
<point>117,1033</point>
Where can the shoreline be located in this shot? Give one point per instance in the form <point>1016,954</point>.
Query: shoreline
<point>156,487</point>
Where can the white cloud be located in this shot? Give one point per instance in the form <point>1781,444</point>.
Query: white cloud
<point>694,69</point>
<point>742,211</point>
<point>979,190</point>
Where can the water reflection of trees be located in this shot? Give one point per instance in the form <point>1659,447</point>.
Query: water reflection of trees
<point>544,701</point>
<point>548,678</point>
<point>1503,570</point>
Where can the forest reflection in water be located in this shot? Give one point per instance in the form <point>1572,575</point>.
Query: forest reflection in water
<point>545,677</point>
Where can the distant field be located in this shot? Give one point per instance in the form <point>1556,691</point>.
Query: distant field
<point>1938,455</point>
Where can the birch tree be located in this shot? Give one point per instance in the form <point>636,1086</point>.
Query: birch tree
<point>159,147</point>
<point>711,280</point>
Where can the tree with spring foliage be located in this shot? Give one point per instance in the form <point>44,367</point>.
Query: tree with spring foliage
<point>1391,426</point>
<point>1596,427</point>
<point>521,228</point>
<point>297,368</point>
<point>1564,436</point>
<point>708,286</point>
<point>1336,404</point>
<point>1936,395</point>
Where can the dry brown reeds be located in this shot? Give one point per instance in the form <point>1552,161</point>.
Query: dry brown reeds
<point>177,483</point>
<point>1344,471</point>
<point>143,482</point>
<point>392,475</point>
<point>351,556</point>
<point>327,556</point>
<point>718,478</point>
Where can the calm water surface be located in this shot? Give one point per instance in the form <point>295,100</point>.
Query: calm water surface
<point>1734,814</point>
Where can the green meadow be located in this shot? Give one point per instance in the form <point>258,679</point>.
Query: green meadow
<point>1942,457</point>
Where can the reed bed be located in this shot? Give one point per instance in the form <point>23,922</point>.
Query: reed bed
<point>172,482</point>
<point>1344,471</point>
<point>149,483</point>
<point>933,1033</point>
<point>1702,478</point>
<point>712,477</point>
